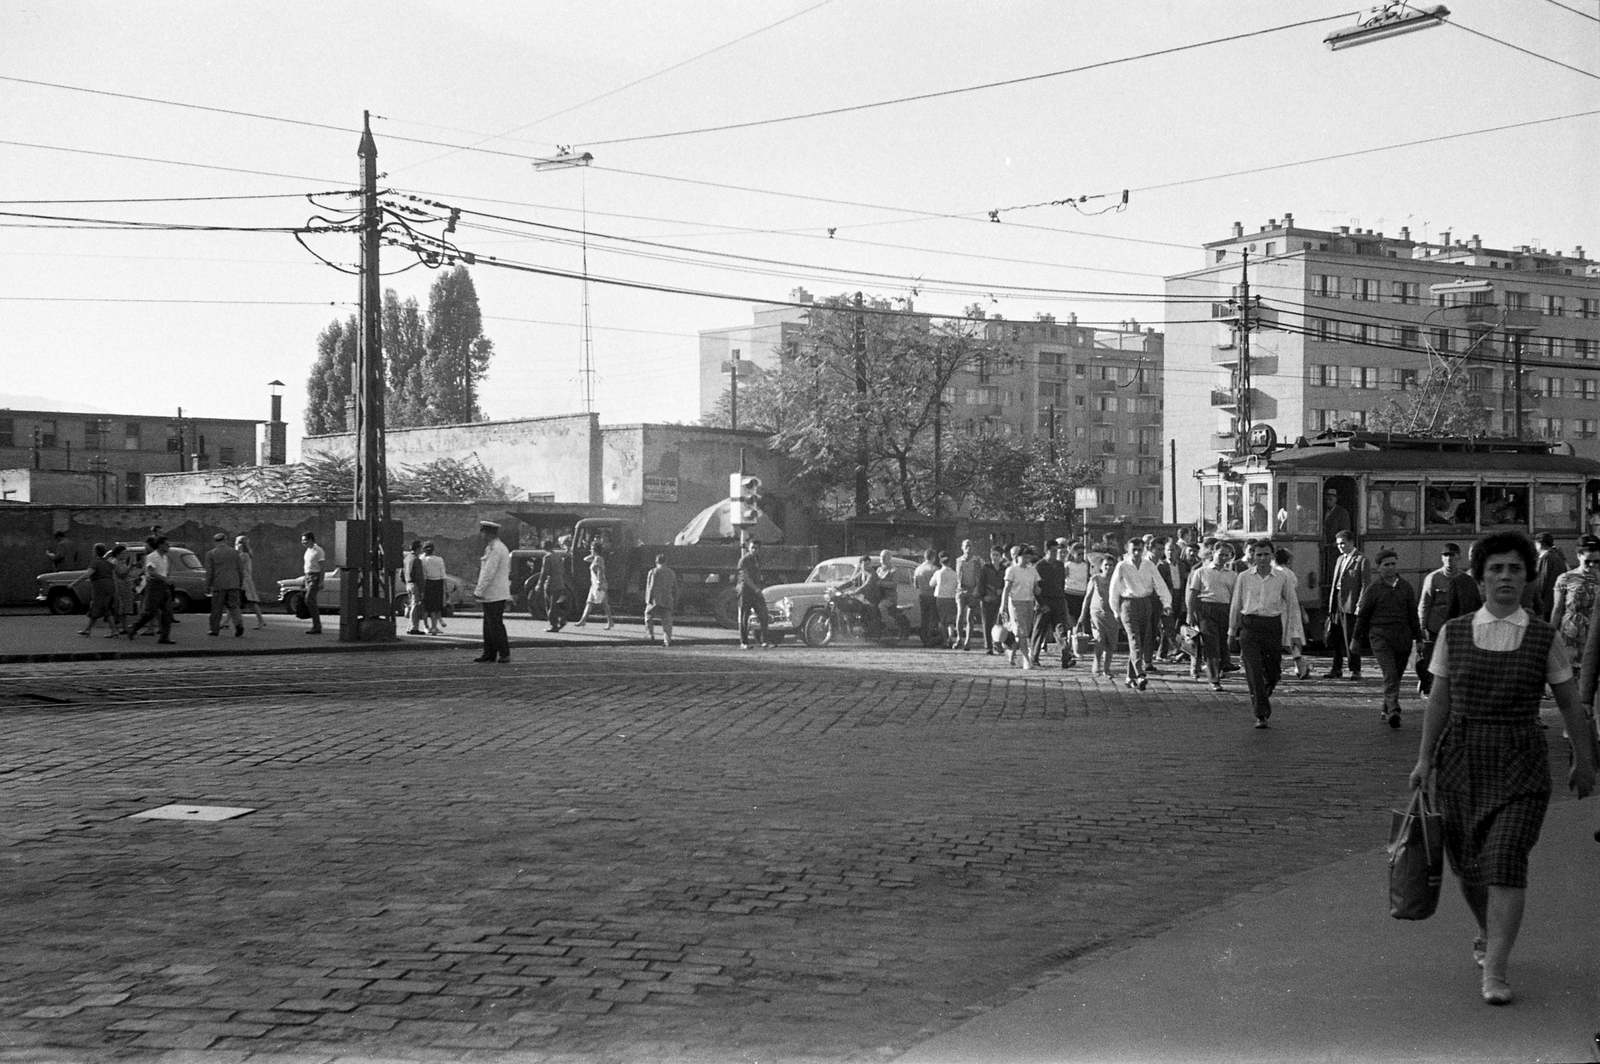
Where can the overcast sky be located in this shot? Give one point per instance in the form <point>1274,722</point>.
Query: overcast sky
<point>906,188</point>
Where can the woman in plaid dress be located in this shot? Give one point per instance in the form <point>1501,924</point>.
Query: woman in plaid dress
<point>1481,736</point>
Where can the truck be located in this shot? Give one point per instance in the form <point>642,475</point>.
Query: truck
<point>706,571</point>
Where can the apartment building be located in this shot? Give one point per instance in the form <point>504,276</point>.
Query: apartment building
<point>122,448</point>
<point>1354,320</point>
<point>1096,391</point>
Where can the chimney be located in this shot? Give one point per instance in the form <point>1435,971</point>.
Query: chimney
<point>800,295</point>
<point>1238,230</point>
<point>1272,223</point>
<point>1577,252</point>
<point>1405,232</point>
<point>1072,318</point>
<point>1288,220</point>
<point>1133,326</point>
<point>1344,230</point>
<point>1476,242</point>
<point>1444,238</point>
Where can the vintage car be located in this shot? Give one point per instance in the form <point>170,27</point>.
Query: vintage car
<point>68,591</point>
<point>789,604</point>
<point>292,593</point>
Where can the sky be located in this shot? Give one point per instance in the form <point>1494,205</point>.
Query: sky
<point>890,200</point>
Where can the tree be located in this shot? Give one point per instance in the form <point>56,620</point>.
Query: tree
<point>405,335</point>
<point>457,353</point>
<point>330,384</point>
<point>1444,405</point>
<point>818,418</point>
<point>990,477</point>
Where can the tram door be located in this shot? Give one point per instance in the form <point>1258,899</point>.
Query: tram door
<point>1591,507</point>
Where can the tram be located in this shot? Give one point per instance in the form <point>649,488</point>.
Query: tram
<point>1406,493</point>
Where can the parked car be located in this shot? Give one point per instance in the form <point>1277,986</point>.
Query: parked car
<point>292,593</point>
<point>68,591</point>
<point>790,604</point>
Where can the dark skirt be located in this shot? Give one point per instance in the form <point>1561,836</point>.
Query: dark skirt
<point>1494,786</point>
<point>433,596</point>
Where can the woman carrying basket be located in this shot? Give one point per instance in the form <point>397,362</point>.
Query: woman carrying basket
<point>1481,736</point>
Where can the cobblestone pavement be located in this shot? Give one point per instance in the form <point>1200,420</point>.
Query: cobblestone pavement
<point>698,855</point>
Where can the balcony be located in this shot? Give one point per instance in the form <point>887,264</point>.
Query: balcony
<point>1490,314</point>
<point>1221,398</point>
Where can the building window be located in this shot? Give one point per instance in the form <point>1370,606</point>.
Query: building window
<point>1078,369</point>
<point>1324,330</point>
<point>46,432</point>
<point>1220,256</point>
<point>1441,340</point>
<point>1325,376</point>
<point>1366,334</point>
<point>1407,292</point>
<point>135,487</point>
<point>1548,427</point>
<point>130,439</point>
<point>1323,284</point>
<point>1480,380</point>
<point>1406,379</point>
<point>1550,387</point>
<point>225,456</point>
<point>1108,403</point>
<point>1589,308</point>
<point>1517,301</point>
<point>1583,348</point>
<point>1364,288</point>
<point>1554,306</point>
<point>1363,376</point>
<point>8,432</point>
<point>1322,420</point>
<point>1585,428</point>
<point>1271,248</point>
<point>1077,401</point>
<point>1150,441</point>
<point>1588,388</point>
<point>1406,336</point>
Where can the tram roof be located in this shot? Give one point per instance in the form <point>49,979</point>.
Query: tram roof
<point>1420,462</point>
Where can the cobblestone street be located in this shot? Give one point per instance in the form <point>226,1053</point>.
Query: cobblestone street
<point>696,854</point>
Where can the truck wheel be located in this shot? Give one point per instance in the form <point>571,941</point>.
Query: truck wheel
<point>817,629</point>
<point>725,608</point>
<point>62,601</point>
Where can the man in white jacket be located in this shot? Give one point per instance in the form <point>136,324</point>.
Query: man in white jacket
<point>494,591</point>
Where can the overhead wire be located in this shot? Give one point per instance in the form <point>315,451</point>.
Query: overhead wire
<point>166,162</point>
<point>622,88</point>
<point>942,93</point>
<point>1524,51</point>
<point>1575,11</point>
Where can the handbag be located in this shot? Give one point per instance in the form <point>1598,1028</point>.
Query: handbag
<point>1188,640</point>
<point>1083,643</point>
<point>1416,859</point>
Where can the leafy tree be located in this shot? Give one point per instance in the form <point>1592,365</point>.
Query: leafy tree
<point>331,382</point>
<point>457,353</point>
<point>405,334</point>
<point>818,419</point>
<point>992,478</point>
<point>1443,405</point>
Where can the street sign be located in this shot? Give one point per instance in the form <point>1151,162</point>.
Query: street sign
<point>1086,498</point>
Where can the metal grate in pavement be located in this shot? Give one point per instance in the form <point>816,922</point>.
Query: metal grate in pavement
<point>192,812</point>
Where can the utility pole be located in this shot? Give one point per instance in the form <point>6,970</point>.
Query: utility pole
<point>365,600</point>
<point>1516,380</point>
<point>862,499</point>
<point>732,367</point>
<point>1241,384</point>
<point>181,463</point>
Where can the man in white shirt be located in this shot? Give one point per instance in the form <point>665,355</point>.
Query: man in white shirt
<point>1265,614</point>
<point>494,591</point>
<point>1136,591</point>
<point>315,565</point>
<point>157,591</point>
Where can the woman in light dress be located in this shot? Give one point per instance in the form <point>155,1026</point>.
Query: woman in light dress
<point>598,594</point>
<point>247,562</point>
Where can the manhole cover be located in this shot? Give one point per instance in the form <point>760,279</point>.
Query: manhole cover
<point>191,812</point>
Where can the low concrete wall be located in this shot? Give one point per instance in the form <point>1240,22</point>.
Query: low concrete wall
<point>274,531</point>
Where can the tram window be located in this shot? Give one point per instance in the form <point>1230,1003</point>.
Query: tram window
<point>1555,509</point>
<point>1210,506</point>
<point>1260,519</point>
<point>1450,506</point>
<point>1304,505</point>
<point>1235,515</point>
<point>1392,506</point>
<point>1505,506</point>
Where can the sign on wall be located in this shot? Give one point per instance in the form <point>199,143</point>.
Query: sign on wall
<point>660,489</point>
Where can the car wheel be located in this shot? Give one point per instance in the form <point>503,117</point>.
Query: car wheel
<point>295,603</point>
<point>402,604</point>
<point>181,602</point>
<point>817,629</point>
<point>62,601</point>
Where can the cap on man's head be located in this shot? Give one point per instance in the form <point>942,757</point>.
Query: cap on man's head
<point>1451,548</point>
<point>488,526</point>
<point>1545,539</point>
<point>1589,542</point>
<point>220,537</point>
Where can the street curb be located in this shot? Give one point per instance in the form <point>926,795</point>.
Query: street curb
<point>333,647</point>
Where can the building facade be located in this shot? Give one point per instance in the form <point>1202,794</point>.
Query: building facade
<point>1097,392</point>
<point>1353,322</point>
<point>121,449</point>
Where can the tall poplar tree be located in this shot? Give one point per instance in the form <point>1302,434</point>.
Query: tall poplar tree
<point>458,353</point>
<point>331,382</point>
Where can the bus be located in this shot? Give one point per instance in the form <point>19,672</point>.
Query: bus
<point>1408,494</point>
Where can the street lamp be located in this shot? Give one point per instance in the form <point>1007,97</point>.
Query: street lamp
<point>1390,20</point>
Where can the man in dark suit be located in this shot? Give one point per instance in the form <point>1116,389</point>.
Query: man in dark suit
<point>1349,579</point>
<point>1542,588</point>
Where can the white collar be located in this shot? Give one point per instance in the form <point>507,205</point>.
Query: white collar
<point>1484,617</point>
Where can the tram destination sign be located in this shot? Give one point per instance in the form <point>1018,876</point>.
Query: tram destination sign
<point>1262,440</point>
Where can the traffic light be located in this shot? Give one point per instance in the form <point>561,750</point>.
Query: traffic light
<point>744,492</point>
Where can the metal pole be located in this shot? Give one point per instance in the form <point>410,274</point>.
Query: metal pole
<point>1516,380</point>
<point>368,504</point>
<point>733,391</point>
<point>1172,476</point>
<point>862,500</point>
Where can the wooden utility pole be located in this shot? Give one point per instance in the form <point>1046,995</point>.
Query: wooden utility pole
<point>863,500</point>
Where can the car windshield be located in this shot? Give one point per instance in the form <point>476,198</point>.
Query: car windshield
<point>189,560</point>
<point>831,572</point>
